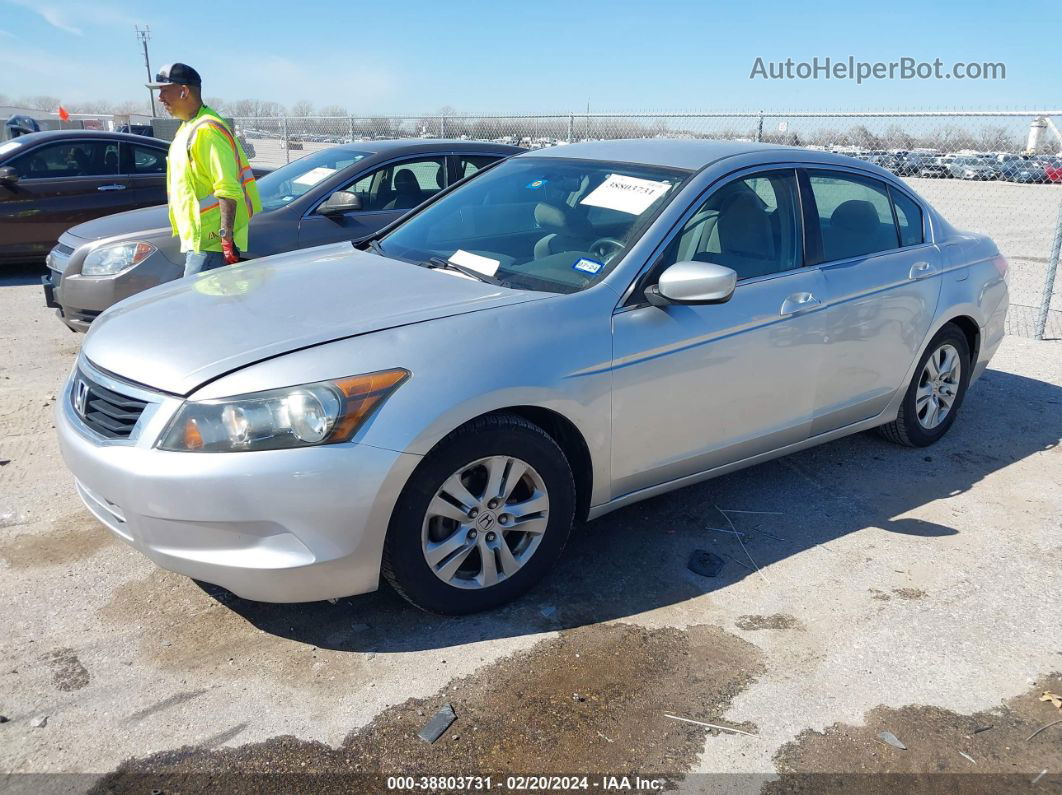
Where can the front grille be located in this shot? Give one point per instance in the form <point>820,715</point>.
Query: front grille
<point>59,258</point>
<point>108,413</point>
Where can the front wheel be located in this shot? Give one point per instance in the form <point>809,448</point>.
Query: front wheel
<point>935,393</point>
<point>482,519</point>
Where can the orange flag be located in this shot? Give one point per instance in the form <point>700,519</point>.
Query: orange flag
<point>63,115</point>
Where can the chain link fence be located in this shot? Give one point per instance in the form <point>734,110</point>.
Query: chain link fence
<point>993,172</point>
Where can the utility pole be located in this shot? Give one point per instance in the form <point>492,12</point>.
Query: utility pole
<point>144,35</point>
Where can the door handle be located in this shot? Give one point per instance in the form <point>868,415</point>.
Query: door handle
<point>799,302</point>
<point>111,187</point>
<point>921,270</point>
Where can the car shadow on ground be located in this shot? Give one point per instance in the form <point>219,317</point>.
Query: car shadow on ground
<point>21,275</point>
<point>634,560</point>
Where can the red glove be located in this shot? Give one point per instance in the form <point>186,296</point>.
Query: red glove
<point>232,254</point>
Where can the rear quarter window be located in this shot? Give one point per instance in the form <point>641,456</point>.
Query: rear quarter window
<point>909,219</point>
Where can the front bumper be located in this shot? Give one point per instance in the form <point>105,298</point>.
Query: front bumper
<point>275,526</point>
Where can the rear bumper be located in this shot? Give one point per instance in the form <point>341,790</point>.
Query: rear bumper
<point>275,526</point>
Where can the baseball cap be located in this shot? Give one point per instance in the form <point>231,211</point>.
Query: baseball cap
<point>179,73</point>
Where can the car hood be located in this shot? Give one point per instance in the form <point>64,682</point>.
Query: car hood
<point>146,219</point>
<point>180,335</point>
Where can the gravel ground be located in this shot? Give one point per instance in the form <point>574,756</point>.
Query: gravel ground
<point>883,589</point>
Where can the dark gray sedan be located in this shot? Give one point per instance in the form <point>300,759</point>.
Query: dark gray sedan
<point>338,194</point>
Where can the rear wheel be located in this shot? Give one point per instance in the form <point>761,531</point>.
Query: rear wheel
<point>935,393</point>
<point>482,519</point>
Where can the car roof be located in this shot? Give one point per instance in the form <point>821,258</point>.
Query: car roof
<point>402,145</point>
<point>681,153</point>
<point>31,139</point>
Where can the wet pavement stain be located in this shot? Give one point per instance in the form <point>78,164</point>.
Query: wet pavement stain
<point>69,540</point>
<point>591,699</point>
<point>776,621</point>
<point>1005,756</point>
<point>67,671</point>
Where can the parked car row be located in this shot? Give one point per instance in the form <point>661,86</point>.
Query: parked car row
<point>1011,168</point>
<point>343,193</point>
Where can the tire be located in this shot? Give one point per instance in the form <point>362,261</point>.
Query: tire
<point>464,541</point>
<point>913,426</point>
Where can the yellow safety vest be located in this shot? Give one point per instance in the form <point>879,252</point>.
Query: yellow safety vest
<point>207,163</point>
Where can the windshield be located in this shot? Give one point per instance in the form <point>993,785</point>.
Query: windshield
<point>537,223</point>
<point>287,183</point>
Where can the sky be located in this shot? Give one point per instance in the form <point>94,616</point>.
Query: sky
<point>416,56</point>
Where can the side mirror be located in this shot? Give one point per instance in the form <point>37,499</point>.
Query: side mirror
<point>693,283</point>
<point>8,176</point>
<point>342,201</point>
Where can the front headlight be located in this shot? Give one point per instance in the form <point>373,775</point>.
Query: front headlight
<point>109,260</point>
<point>297,416</point>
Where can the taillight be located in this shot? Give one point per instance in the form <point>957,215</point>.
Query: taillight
<point>1001,265</point>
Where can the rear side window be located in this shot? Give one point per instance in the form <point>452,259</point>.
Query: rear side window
<point>147,160</point>
<point>909,219</point>
<point>467,165</point>
<point>855,216</point>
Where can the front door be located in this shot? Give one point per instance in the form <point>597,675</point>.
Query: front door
<point>696,387</point>
<point>60,185</point>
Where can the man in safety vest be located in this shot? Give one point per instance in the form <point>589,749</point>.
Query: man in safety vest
<point>211,189</point>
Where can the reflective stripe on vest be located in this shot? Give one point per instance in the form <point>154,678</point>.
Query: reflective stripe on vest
<point>245,175</point>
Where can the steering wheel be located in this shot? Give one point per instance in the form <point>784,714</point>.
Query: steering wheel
<point>606,248</point>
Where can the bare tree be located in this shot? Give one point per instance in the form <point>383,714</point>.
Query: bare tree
<point>302,108</point>
<point>218,104</point>
<point>40,102</point>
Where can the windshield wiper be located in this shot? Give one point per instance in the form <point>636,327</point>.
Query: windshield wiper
<point>374,244</point>
<point>438,263</point>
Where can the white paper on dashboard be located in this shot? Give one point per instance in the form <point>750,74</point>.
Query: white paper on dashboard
<point>484,265</point>
<point>314,175</point>
<point>626,194</point>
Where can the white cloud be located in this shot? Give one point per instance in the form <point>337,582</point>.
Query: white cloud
<point>71,17</point>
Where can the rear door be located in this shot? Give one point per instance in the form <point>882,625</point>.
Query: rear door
<point>387,193</point>
<point>60,185</point>
<point>882,282</point>
<point>144,168</point>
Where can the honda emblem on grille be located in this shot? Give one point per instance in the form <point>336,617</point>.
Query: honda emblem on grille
<point>80,396</point>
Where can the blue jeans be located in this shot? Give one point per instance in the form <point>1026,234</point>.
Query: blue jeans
<point>199,261</point>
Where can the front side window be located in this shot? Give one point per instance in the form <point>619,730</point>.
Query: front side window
<point>908,218</point>
<point>283,186</point>
<point>854,214</point>
<point>73,159</point>
<point>539,223</point>
<point>751,225</point>
<point>401,186</point>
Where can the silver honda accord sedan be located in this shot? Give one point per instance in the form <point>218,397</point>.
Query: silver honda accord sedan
<point>570,331</point>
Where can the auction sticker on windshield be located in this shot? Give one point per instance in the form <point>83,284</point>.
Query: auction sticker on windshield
<point>484,265</point>
<point>626,194</point>
<point>314,175</point>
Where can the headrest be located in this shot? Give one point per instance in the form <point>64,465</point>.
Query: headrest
<point>550,216</point>
<point>855,215</point>
<point>405,180</point>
